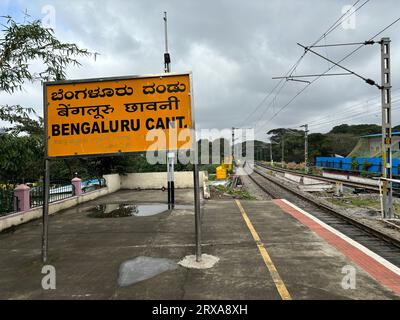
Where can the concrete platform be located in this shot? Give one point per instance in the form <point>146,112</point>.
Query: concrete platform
<point>88,252</point>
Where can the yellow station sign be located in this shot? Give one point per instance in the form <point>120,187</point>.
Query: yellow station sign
<point>116,115</point>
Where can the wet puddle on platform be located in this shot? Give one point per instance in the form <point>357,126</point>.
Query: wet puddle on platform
<point>117,210</point>
<point>143,268</point>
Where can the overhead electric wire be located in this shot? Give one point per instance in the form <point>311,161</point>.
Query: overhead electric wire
<point>269,94</point>
<point>350,109</point>
<point>293,68</point>
<point>330,68</point>
<point>358,116</point>
<point>369,81</point>
<point>339,21</point>
<point>316,75</point>
<point>305,52</point>
<point>341,44</point>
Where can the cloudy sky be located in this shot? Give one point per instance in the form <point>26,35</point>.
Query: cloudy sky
<point>233,48</point>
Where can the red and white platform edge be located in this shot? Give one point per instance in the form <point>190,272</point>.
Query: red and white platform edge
<point>379,268</point>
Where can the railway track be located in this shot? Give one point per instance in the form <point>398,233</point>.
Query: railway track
<point>378,242</point>
<point>325,179</point>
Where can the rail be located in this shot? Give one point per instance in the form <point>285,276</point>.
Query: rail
<point>354,222</point>
<point>325,179</point>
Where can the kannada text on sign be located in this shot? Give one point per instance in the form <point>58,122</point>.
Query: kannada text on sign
<point>114,116</point>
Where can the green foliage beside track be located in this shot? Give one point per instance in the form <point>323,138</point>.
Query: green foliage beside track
<point>340,140</point>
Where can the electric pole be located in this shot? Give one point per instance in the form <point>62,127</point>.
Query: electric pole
<point>270,152</point>
<point>305,147</point>
<point>386,88</point>
<point>233,142</point>
<point>386,108</point>
<point>283,149</point>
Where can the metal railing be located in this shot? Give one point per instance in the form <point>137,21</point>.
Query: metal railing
<point>342,165</point>
<point>59,190</point>
<point>7,201</point>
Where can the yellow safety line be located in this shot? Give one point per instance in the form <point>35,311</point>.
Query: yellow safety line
<point>280,286</point>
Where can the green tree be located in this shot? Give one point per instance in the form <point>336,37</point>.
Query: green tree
<point>347,142</point>
<point>357,129</point>
<point>340,140</point>
<point>293,144</point>
<point>24,43</point>
<point>21,154</point>
<point>20,158</point>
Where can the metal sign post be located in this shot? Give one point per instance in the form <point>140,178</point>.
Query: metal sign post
<point>196,182</point>
<point>170,154</point>
<point>196,186</point>
<point>197,210</point>
<point>45,215</point>
<point>170,176</point>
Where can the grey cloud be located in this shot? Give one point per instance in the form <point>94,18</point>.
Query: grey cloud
<point>234,48</point>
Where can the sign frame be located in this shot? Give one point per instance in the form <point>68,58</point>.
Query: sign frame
<point>46,84</point>
<point>47,159</point>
